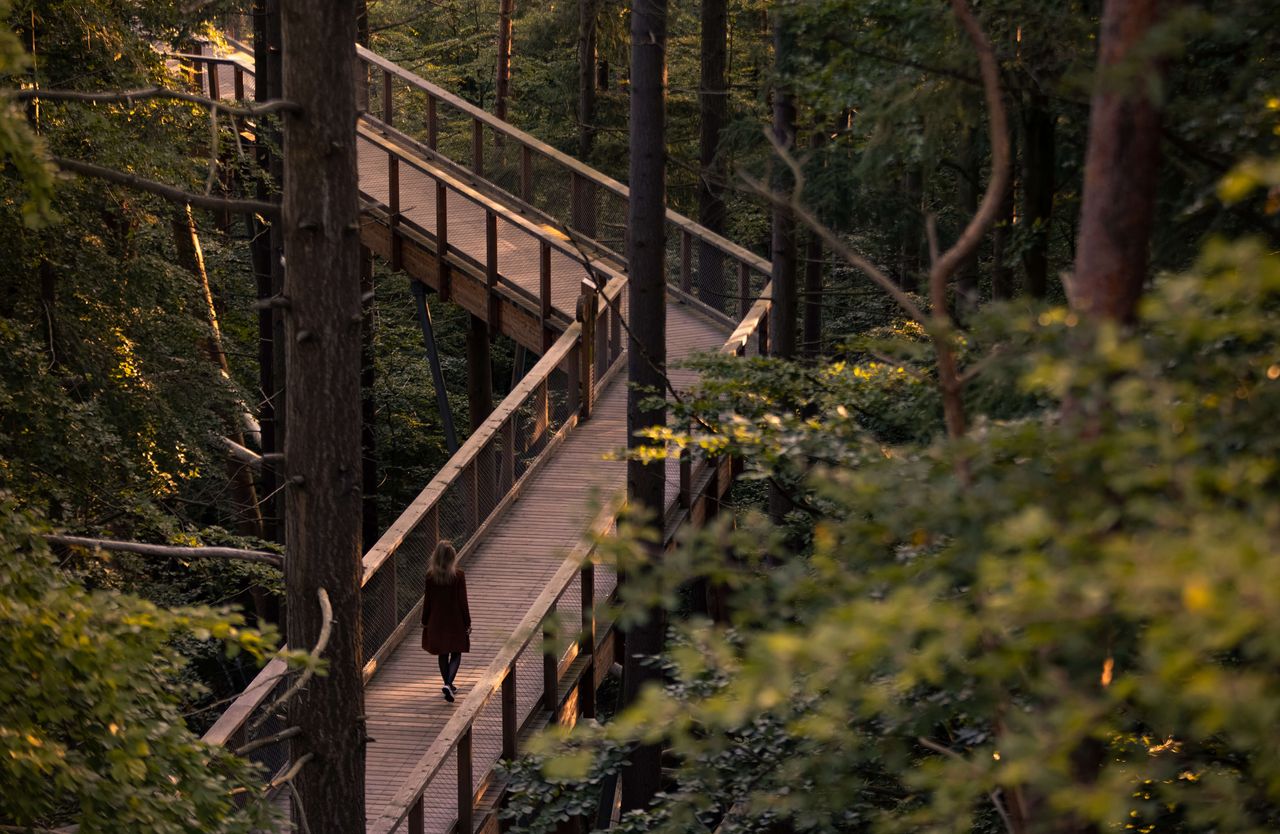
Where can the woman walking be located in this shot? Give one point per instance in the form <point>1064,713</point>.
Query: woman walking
<point>446,618</point>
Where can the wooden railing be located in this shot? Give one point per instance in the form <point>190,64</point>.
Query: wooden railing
<point>704,268</point>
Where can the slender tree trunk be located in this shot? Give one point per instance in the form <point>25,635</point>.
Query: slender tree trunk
<point>322,449</point>
<point>1037,189</point>
<point>502,85</point>
<point>970,193</point>
<point>713,111</point>
<point>587,12</point>
<point>191,258</point>
<point>647,357</point>
<point>1001,272</point>
<point>1122,162</point>
<point>479,372</point>
<point>912,230</point>
<point>782,324</point>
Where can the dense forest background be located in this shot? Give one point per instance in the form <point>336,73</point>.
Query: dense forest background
<point>1062,618</point>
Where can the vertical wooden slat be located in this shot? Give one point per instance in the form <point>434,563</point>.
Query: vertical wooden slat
<point>510,719</point>
<point>393,200</point>
<point>215,86</point>
<point>433,123</point>
<point>587,690</point>
<point>686,261</point>
<point>526,174</point>
<point>388,103</point>
<point>477,146</point>
<point>586,315</point>
<point>237,82</point>
<point>544,294</point>
<point>764,336</point>
<point>744,290</point>
<point>550,665</point>
<point>493,308</point>
<point>442,239</point>
<point>417,820</point>
<point>466,788</point>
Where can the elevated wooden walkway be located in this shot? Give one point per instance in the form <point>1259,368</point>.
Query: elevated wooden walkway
<point>530,240</point>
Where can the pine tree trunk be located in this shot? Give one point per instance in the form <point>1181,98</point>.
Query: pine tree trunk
<point>322,448</point>
<point>1122,162</point>
<point>713,111</point>
<point>782,323</point>
<point>1038,187</point>
<point>502,87</point>
<point>587,11</point>
<point>647,356</point>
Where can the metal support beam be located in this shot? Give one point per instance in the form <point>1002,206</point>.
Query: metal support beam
<point>433,358</point>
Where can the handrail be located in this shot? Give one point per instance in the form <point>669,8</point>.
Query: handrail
<point>434,758</point>
<point>576,166</point>
<point>467,452</point>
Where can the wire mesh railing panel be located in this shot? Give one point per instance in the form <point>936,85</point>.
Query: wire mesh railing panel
<point>378,609</point>
<point>529,678</point>
<point>440,799</point>
<point>411,564</point>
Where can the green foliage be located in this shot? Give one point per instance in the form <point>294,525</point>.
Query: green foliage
<point>1068,617</point>
<point>90,721</point>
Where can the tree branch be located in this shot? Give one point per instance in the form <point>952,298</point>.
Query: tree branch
<point>168,551</point>
<point>176,195</point>
<point>130,96</point>
<point>326,629</point>
<point>266,741</point>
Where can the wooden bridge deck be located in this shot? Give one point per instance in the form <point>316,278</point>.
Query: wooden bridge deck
<point>505,574</point>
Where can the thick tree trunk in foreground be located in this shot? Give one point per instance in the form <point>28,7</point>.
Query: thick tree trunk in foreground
<point>713,111</point>
<point>322,449</point>
<point>502,86</point>
<point>1121,166</point>
<point>587,11</point>
<point>647,357</point>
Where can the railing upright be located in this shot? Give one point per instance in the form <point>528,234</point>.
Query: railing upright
<point>550,665</point>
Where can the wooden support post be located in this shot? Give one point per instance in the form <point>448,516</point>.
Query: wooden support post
<point>587,689</point>
<point>493,308</point>
<point>388,103</point>
<point>586,314</point>
<point>466,785</point>
<point>417,819</point>
<point>510,720</point>
<point>686,262</point>
<point>573,367</point>
<point>508,459</point>
<point>393,199</point>
<point>764,336</point>
<point>544,294</point>
<point>550,666</point>
<point>686,478</point>
<point>477,146</point>
<point>237,82</point>
<point>526,174</point>
<point>433,123</point>
<point>744,290</point>
<point>215,86</point>
<point>442,238</point>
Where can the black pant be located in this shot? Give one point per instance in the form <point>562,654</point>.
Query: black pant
<point>449,663</point>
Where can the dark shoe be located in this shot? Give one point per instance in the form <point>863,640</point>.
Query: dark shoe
<point>448,693</point>
<point>454,688</point>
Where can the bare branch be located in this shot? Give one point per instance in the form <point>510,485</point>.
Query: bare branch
<point>326,629</point>
<point>176,195</point>
<point>130,96</point>
<point>266,741</point>
<point>241,454</point>
<point>287,777</point>
<point>172,552</point>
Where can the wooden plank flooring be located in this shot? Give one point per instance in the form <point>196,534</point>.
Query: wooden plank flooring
<point>505,574</point>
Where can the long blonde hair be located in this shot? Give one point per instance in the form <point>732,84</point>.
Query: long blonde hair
<point>442,567</point>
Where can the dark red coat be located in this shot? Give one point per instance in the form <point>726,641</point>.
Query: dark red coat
<point>446,618</point>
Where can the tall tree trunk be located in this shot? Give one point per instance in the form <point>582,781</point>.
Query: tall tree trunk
<point>969,193</point>
<point>647,357</point>
<point>713,111</point>
<point>813,267</point>
<point>587,12</point>
<point>911,229</point>
<point>502,84</point>
<point>322,448</point>
<point>782,324</point>
<point>191,258</point>
<point>1120,170</point>
<point>1037,189</point>
<point>1001,272</point>
<point>369,527</point>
